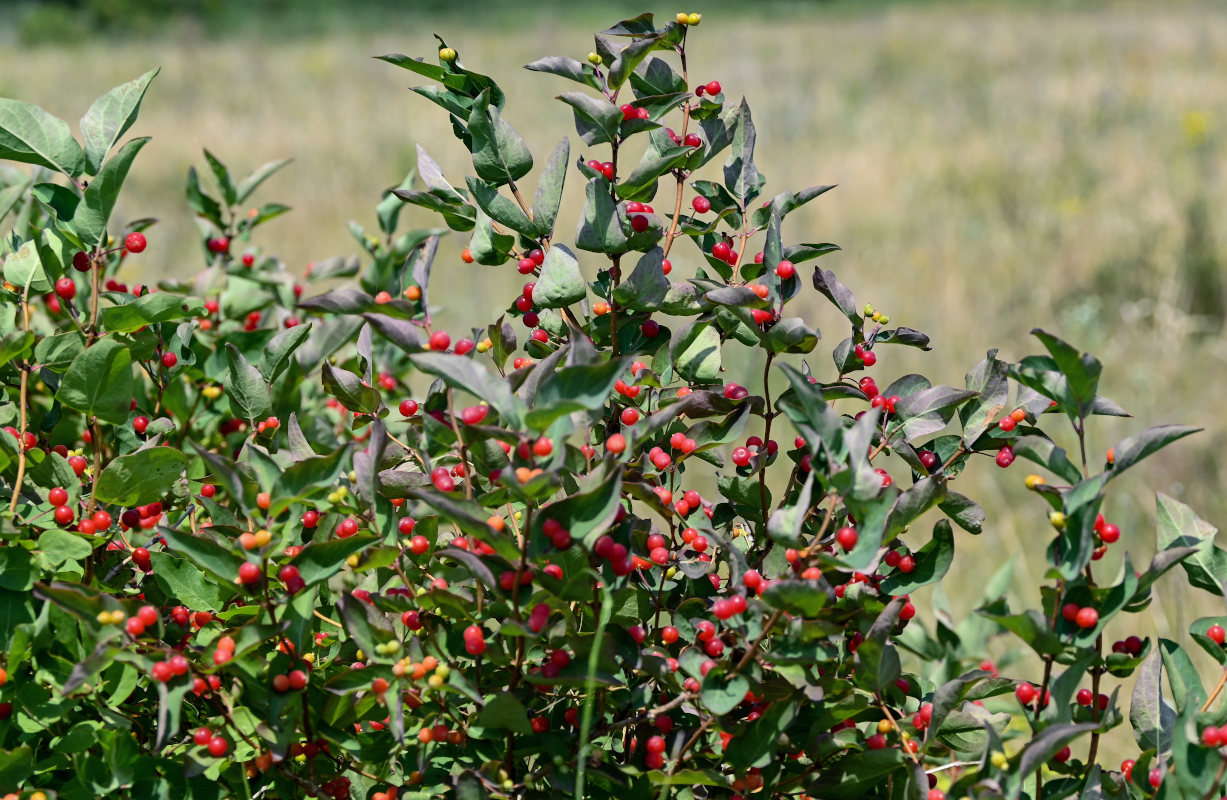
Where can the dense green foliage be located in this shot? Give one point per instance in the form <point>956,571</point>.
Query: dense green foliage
<point>265,542</point>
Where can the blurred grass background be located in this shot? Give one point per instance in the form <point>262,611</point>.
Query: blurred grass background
<point>1002,165</point>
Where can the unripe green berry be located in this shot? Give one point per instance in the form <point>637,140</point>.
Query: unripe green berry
<point>868,310</point>
<point>594,58</point>
<point>884,319</point>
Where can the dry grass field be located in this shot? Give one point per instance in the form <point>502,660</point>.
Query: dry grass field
<point>1001,166</point>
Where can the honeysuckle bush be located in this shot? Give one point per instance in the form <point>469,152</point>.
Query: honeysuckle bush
<point>279,536</point>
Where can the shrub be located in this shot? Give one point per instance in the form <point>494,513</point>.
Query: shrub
<point>243,559</point>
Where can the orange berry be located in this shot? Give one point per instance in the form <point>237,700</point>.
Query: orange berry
<point>1018,415</point>
<point>600,308</point>
<point>263,501</point>
<point>413,293</point>
<point>496,522</point>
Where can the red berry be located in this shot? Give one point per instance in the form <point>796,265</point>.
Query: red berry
<point>1005,457</point>
<point>169,360</point>
<point>139,424</point>
<point>1087,618</point>
<point>1216,633</point>
<point>1025,693</point>
<point>439,340</point>
<point>1084,697</point>
<point>701,204</point>
<point>63,515</point>
<point>249,572</point>
<point>785,270</point>
<point>713,88</point>
<point>721,251</point>
<point>66,288</point>
<point>846,537</point>
<point>218,746</point>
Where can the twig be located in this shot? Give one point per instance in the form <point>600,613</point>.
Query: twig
<point>25,421</point>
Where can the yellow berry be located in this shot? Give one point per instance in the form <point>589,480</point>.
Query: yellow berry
<point>211,392</point>
<point>118,617</point>
<point>434,681</point>
<point>885,726</point>
<point>352,560</point>
<point>519,516</point>
<point>309,658</point>
<point>904,735</point>
<point>104,617</point>
<point>1057,519</point>
<point>263,537</point>
<point>447,54</point>
<point>876,316</point>
<point>999,760</point>
<point>683,18</point>
<point>868,310</point>
<point>361,656</point>
<point>353,476</point>
<point>443,670</point>
<point>1035,481</point>
<point>38,796</point>
<point>694,19</point>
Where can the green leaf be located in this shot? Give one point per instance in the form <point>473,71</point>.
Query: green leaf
<point>588,513</point>
<point>722,692</point>
<point>110,117</point>
<point>487,245</point>
<point>246,388</point>
<point>16,569</point>
<point>933,561</point>
<point>647,285</point>
<point>276,354</point>
<point>141,477</point>
<point>561,282</point>
<point>1179,526</point>
<point>580,388</point>
<point>1150,715</point>
<point>784,524</point>
<point>204,552</point>
<point>1043,451</point>
<point>499,154</point>
<point>25,268</point>
<point>641,183</point>
<point>1145,444</point>
<point>741,176</point>
<point>184,581</point>
<point>596,121</point>
<point>965,512</point>
<point>319,561</point>
<point>99,382</point>
<point>90,221</point>
<point>803,597</point>
<point>32,136</point>
<point>760,739</point>
<point>988,380</point>
<point>600,229</point>
<point>15,345</point>
<point>791,335</point>
<point>566,68</point>
<point>500,208</point>
<point>548,198</point>
<point>505,712</point>
<point>1182,676</point>
<point>695,351</point>
<point>465,373</point>
<point>16,766</point>
<point>59,547</point>
<point>150,309</point>
<point>222,175</point>
<point>253,181</point>
<point>1041,749</point>
<point>830,287</point>
<point>1081,371</point>
<point>351,390</point>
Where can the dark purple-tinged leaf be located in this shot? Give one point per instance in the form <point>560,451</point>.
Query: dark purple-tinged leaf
<point>1145,444</point>
<point>914,501</point>
<point>464,373</point>
<point>340,301</point>
<point>741,176</point>
<point>647,285</point>
<point>350,390</point>
<point>566,68</point>
<point>276,355</point>
<point>1179,526</point>
<point>936,398</point>
<point>735,297</point>
<point>965,512</point>
<point>1161,563</point>
<point>787,202</point>
<point>798,253</point>
<point>988,380</point>
<point>400,332</point>
<point>1150,714</point>
<point>1040,751</point>
<point>1081,370</point>
<point>830,287</point>
<point>1047,454</point>
<point>596,119</point>
<point>1104,407</point>
<point>503,338</point>
<point>933,561</point>
<point>140,477</point>
<point>792,335</point>
<point>394,483</point>
<point>548,198</point>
